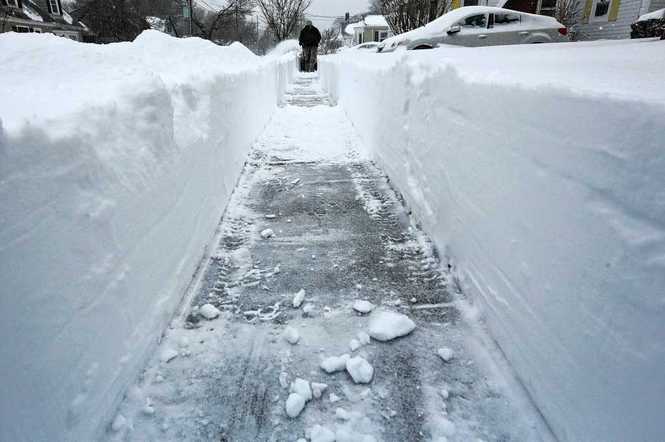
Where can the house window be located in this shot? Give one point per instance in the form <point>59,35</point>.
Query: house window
<point>53,5</point>
<point>600,10</point>
<point>383,35</point>
<point>21,29</point>
<point>470,3</point>
<point>547,7</point>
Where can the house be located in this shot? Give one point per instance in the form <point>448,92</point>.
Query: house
<point>371,28</point>
<point>41,16</point>
<point>597,19</point>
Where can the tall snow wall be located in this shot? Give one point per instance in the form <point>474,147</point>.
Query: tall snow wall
<point>116,164</point>
<point>540,172</point>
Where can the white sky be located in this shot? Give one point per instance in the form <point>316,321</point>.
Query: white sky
<point>322,7</point>
<point>335,8</point>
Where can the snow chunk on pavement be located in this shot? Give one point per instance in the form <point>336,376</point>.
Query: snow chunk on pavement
<point>385,325</point>
<point>301,387</point>
<point>360,370</point>
<point>319,433</point>
<point>291,335</point>
<point>209,312</point>
<point>363,338</point>
<point>446,354</point>
<point>298,298</point>
<point>267,233</point>
<point>342,414</point>
<point>294,405</point>
<point>119,423</point>
<point>168,354</point>
<point>334,363</point>
<point>362,306</point>
<point>354,344</point>
<point>318,389</point>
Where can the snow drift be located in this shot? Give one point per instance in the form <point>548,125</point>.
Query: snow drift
<point>116,163</point>
<point>539,171</point>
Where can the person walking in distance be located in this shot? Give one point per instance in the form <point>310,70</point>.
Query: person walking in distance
<point>310,37</point>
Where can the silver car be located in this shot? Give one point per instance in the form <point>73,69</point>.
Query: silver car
<point>480,26</point>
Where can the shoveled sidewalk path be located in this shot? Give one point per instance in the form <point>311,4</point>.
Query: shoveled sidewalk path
<point>341,233</point>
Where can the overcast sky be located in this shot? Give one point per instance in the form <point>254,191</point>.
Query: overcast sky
<point>335,8</point>
<point>321,7</point>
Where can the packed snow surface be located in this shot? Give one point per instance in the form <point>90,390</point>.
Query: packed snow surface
<point>385,325</point>
<point>538,172</point>
<point>116,163</point>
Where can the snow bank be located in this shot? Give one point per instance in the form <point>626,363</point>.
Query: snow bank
<point>539,171</point>
<point>116,163</point>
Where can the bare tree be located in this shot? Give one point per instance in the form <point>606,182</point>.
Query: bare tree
<point>405,15</point>
<point>111,20</point>
<point>238,10</point>
<point>283,16</point>
<point>568,13</point>
<point>330,41</point>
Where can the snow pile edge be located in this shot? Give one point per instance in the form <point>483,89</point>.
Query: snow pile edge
<point>116,164</point>
<point>544,186</point>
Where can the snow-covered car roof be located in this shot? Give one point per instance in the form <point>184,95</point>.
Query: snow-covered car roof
<point>444,22</point>
<point>655,15</point>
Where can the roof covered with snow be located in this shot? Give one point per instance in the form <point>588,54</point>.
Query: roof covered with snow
<point>376,21</point>
<point>36,12</point>
<point>350,29</point>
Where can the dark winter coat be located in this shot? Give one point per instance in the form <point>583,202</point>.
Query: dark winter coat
<point>309,36</point>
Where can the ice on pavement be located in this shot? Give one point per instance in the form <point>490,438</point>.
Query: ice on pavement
<point>295,404</point>
<point>302,387</point>
<point>291,335</point>
<point>319,433</point>
<point>298,298</point>
<point>386,325</point>
<point>363,306</point>
<point>334,364</point>
<point>445,353</point>
<point>267,233</point>
<point>360,370</point>
<point>318,389</point>
<point>168,354</point>
<point>209,311</point>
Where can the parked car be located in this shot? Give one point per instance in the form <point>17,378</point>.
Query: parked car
<point>369,46</point>
<point>649,25</point>
<point>480,26</point>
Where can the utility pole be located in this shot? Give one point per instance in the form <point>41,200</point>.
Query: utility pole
<point>191,18</point>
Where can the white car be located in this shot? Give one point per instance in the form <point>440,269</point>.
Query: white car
<point>369,46</point>
<point>480,26</point>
